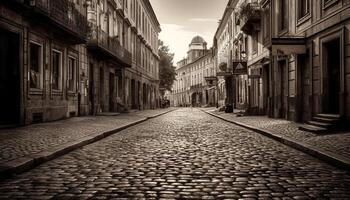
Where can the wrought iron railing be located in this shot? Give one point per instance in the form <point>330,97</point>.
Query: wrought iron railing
<point>250,16</point>
<point>62,12</point>
<point>65,13</point>
<point>100,38</point>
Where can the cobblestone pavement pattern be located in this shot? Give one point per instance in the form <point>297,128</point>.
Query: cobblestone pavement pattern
<point>19,142</point>
<point>185,154</point>
<point>338,142</point>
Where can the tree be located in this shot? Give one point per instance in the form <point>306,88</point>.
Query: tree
<point>166,68</point>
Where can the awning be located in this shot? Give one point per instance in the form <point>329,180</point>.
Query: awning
<point>225,74</point>
<point>210,78</point>
<point>287,46</point>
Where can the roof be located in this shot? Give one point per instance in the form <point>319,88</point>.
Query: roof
<point>197,39</point>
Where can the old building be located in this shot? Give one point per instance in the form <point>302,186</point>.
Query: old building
<point>230,44</point>
<point>123,57</point>
<point>108,57</point>
<point>141,38</point>
<point>288,59</point>
<point>251,32</point>
<point>43,64</point>
<point>309,57</point>
<point>195,80</point>
<point>66,58</point>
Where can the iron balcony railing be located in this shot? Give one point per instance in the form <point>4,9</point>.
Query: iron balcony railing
<point>250,17</point>
<point>197,86</point>
<point>62,13</point>
<point>109,45</point>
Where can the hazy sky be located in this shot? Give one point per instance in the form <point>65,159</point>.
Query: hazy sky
<point>181,20</point>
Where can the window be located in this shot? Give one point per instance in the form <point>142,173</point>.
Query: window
<point>283,15</point>
<point>255,39</point>
<point>303,8</point>
<point>56,70</point>
<point>266,21</point>
<point>71,79</point>
<point>36,66</point>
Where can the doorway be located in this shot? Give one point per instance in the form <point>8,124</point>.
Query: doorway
<point>266,89</point>
<point>111,92</point>
<point>283,95</point>
<point>133,94</point>
<point>9,78</point>
<point>304,107</point>
<point>102,89</point>
<point>332,70</point>
<point>91,90</point>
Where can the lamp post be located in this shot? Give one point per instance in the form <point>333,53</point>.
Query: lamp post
<point>243,55</point>
<point>243,58</point>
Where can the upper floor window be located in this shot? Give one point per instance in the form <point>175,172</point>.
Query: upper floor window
<point>56,70</point>
<point>283,15</point>
<point>255,41</point>
<point>71,79</point>
<point>266,21</point>
<point>303,8</point>
<point>36,66</point>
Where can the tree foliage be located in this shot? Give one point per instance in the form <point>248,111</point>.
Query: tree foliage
<point>166,68</point>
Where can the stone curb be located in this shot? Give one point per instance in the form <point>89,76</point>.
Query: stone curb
<point>28,162</point>
<point>329,157</point>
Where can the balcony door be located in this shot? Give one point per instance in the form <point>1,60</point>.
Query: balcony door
<point>9,78</point>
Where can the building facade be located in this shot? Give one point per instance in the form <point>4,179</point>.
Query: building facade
<point>141,37</point>
<point>67,58</point>
<point>123,56</point>
<point>195,80</point>
<point>43,59</point>
<point>288,59</point>
<point>309,58</point>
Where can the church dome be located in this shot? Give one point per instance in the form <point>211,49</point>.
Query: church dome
<point>197,39</point>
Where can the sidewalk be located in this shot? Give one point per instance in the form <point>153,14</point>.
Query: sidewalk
<point>334,147</point>
<point>25,147</point>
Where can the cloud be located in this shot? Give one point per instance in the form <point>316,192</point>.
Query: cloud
<point>178,37</point>
<point>203,20</point>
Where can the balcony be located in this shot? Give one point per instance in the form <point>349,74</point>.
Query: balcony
<point>60,13</point>
<point>250,17</point>
<point>195,87</point>
<point>107,47</point>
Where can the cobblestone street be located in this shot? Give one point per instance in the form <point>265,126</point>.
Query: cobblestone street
<point>185,154</point>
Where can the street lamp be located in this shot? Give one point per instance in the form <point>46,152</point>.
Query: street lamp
<point>243,55</point>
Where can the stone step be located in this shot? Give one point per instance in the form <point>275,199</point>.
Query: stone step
<point>319,124</point>
<point>330,116</point>
<point>108,114</point>
<point>326,120</point>
<point>312,129</point>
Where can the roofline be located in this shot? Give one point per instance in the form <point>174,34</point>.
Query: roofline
<point>153,14</point>
<point>227,9</point>
<point>206,54</point>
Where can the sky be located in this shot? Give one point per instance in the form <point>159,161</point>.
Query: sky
<point>181,20</point>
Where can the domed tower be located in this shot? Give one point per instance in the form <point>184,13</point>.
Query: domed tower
<point>198,47</point>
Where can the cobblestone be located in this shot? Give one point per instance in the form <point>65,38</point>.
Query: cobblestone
<point>185,154</point>
<point>19,142</point>
<point>337,142</point>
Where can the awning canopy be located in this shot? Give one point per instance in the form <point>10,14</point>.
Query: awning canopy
<point>287,46</point>
<point>210,78</point>
<point>225,74</point>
